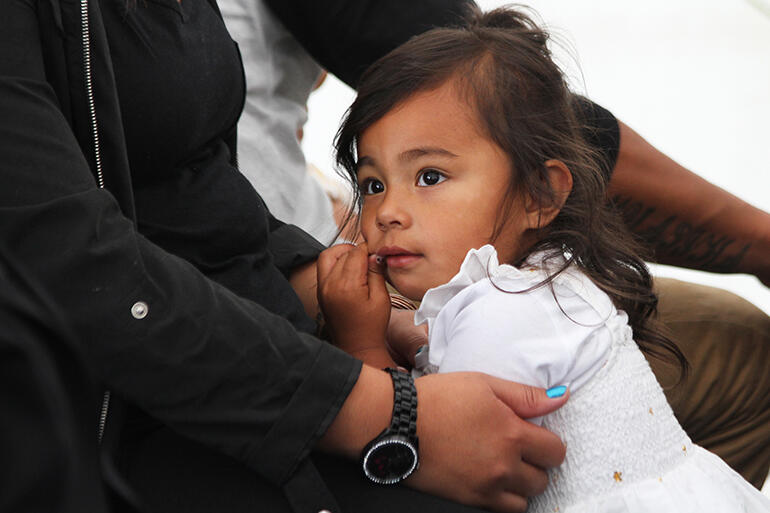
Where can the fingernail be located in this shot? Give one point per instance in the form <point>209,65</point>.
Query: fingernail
<point>379,260</point>
<point>555,392</point>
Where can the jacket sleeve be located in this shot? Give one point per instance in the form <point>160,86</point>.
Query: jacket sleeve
<point>346,36</point>
<point>216,367</point>
<point>290,246</point>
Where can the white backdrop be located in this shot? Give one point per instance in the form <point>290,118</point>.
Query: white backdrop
<point>691,76</point>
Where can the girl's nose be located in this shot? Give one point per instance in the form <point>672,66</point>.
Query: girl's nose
<point>392,213</point>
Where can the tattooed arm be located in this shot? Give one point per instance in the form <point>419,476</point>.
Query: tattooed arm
<point>686,220</point>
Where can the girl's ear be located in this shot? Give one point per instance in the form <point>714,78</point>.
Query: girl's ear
<point>560,179</point>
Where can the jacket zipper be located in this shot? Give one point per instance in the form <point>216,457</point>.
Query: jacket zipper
<point>86,39</point>
<point>86,42</point>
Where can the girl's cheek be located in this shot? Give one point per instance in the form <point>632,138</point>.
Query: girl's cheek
<point>367,225</point>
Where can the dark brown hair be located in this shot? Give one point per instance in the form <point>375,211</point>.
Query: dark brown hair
<point>501,66</point>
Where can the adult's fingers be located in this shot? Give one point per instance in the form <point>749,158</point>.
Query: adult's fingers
<point>541,448</point>
<point>529,481</point>
<point>470,459</point>
<point>527,401</point>
<point>508,503</point>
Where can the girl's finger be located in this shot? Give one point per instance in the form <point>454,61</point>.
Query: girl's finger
<point>355,265</point>
<point>328,259</point>
<point>376,278</point>
<point>376,265</point>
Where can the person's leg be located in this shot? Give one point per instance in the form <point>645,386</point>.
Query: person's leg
<point>172,474</point>
<point>723,404</point>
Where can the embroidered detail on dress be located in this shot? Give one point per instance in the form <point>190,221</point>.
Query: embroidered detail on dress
<point>617,476</point>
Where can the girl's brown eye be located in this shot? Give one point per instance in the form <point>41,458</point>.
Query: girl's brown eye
<point>372,186</point>
<point>430,177</point>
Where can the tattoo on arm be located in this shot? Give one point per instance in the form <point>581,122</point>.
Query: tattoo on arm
<point>671,238</point>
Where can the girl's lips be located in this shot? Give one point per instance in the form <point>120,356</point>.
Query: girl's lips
<point>395,257</point>
<point>403,260</point>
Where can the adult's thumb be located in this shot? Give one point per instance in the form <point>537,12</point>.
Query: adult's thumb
<point>528,401</point>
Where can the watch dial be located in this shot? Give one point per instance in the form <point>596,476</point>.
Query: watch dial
<point>391,461</point>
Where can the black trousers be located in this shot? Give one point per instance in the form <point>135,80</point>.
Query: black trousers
<point>173,474</point>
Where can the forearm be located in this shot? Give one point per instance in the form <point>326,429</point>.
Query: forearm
<point>686,220</point>
<point>365,413</point>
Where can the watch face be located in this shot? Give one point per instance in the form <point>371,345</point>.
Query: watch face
<point>390,460</point>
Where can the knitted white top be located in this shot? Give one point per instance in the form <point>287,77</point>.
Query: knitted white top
<point>625,449</point>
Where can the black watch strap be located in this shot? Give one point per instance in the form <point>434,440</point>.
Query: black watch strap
<point>393,455</point>
<point>404,419</point>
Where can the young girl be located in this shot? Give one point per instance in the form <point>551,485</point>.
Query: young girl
<point>479,196</point>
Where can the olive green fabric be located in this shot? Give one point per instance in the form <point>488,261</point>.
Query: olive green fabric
<point>723,404</point>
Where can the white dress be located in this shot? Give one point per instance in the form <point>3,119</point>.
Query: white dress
<point>625,450</point>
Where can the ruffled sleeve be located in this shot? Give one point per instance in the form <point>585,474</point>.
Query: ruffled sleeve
<point>487,319</point>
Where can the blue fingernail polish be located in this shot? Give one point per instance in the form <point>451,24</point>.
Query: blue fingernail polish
<point>555,392</point>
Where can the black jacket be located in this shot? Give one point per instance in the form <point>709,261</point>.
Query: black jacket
<point>217,368</point>
<point>50,460</point>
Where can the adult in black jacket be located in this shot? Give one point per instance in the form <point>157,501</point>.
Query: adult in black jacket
<point>120,194</point>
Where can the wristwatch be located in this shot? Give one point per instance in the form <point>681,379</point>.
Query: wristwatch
<point>393,455</point>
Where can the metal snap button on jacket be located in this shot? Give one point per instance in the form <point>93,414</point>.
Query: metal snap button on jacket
<point>140,310</point>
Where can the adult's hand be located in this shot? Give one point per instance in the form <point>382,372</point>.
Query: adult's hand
<point>475,447</point>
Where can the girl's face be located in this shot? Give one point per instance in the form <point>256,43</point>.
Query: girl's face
<point>433,187</point>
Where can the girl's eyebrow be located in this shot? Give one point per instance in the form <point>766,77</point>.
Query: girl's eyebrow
<point>415,153</point>
<point>364,161</point>
<point>409,155</point>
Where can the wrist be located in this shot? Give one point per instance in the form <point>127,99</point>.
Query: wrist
<point>365,413</point>
<point>393,455</point>
<point>351,340</point>
<point>377,357</point>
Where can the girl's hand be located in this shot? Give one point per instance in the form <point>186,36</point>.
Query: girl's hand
<point>355,302</point>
